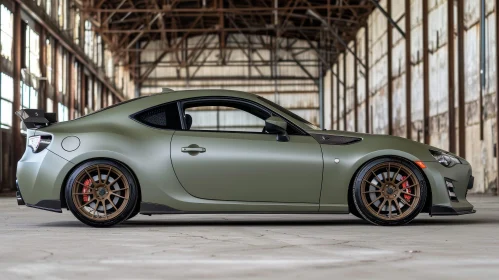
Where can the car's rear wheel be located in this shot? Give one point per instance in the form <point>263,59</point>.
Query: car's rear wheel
<point>101,193</point>
<point>389,191</point>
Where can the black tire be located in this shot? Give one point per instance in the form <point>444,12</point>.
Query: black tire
<point>356,213</point>
<point>123,189</point>
<point>135,212</point>
<point>389,191</point>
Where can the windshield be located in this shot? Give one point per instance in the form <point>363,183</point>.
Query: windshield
<point>293,115</point>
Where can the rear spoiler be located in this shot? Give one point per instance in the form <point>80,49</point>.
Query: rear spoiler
<point>34,118</point>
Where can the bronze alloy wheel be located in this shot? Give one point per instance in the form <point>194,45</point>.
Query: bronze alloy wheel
<point>100,192</point>
<point>390,191</point>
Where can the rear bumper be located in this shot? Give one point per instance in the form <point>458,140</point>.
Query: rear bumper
<point>49,205</point>
<point>20,200</point>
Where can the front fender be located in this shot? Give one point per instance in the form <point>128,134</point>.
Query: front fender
<point>341,163</point>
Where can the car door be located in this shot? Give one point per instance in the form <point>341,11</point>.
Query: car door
<point>226,156</point>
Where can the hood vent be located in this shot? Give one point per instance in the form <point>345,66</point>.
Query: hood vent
<point>327,139</point>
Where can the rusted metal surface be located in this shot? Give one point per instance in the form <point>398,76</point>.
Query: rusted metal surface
<point>128,25</point>
<point>338,82</point>
<point>355,90</point>
<point>408,70</point>
<point>426,75</point>
<point>451,69</point>
<point>55,59</point>
<point>345,91</point>
<point>389,38</point>
<point>460,78</point>
<point>367,74</point>
<point>16,137</point>
<point>71,86</point>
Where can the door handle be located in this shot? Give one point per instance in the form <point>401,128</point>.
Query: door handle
<point>193,150</point>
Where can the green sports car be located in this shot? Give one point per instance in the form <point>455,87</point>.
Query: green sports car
<point>220,151</point>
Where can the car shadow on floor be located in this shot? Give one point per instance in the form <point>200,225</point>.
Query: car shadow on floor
<point>212,222</point>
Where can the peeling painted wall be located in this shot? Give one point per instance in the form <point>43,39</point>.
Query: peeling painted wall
<point>479,152</point>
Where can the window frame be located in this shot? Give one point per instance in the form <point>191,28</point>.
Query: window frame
<point>134,115</point>
<point>181,103</point>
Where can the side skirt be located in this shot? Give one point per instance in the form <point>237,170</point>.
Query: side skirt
<point>147,208</point>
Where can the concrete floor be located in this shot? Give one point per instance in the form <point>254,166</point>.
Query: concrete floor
<point>36,244</point>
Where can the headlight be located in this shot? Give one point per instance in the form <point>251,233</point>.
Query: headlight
<point>39,143</point>
<point>445,159</point>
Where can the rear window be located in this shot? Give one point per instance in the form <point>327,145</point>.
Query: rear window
<point>165,117</point>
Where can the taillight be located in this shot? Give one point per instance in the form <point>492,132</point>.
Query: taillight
<point>39,143</point>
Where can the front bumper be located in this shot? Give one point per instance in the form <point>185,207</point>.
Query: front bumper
<point>438,210</point>
<point>449,188</point>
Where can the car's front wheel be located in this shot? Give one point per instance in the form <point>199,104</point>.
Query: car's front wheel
<point>389,191</point>
<point>101,193</point>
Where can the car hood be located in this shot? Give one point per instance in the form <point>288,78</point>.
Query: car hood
<point>385,142</point>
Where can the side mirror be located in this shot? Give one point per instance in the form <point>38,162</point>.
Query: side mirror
<point>277,125</point>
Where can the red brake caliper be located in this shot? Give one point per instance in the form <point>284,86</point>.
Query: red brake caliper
<point>86,189</point>
<point>405,187</point>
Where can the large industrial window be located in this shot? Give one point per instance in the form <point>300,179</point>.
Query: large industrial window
<point>98,51</point>
<point>50,105</point>
<point>76,27</point>
<point>6,33</point>
<point>89,39</point>
<point>48,6</point>
<point>63,113</point>
<point>97,96</point>
<point>6,81</point>
<point>7,96</point>
<point>32,52</point>
<point>49,50</point>
<point>29,96</point>
<point>62,14</point>
<point>29,84</point>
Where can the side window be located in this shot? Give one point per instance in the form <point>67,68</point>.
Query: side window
<point>165,116</point>
<point>224,116</point>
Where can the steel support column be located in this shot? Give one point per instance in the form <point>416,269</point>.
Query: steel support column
<point>320,84</point>
<point>452,81</point>
<point>389,35</point>
<point>43,91</point>
<point>345,91</point>
<point>16,128</point>
<point>55,61</point>
<point>408,71</point>
<point>460,78</point>
<point>71,87</point>
<point>426,75</point>
<point>483,63</point>
<point>338,94</point>
<point>331,87</point>
<point>355,92</point>
<point>367,78</point>
<point>83,91</point>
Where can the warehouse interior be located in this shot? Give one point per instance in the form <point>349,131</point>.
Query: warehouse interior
<point>425,70</point>
<point>317,58</point>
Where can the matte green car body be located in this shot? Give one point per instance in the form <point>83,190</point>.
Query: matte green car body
<point>239,172</point>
